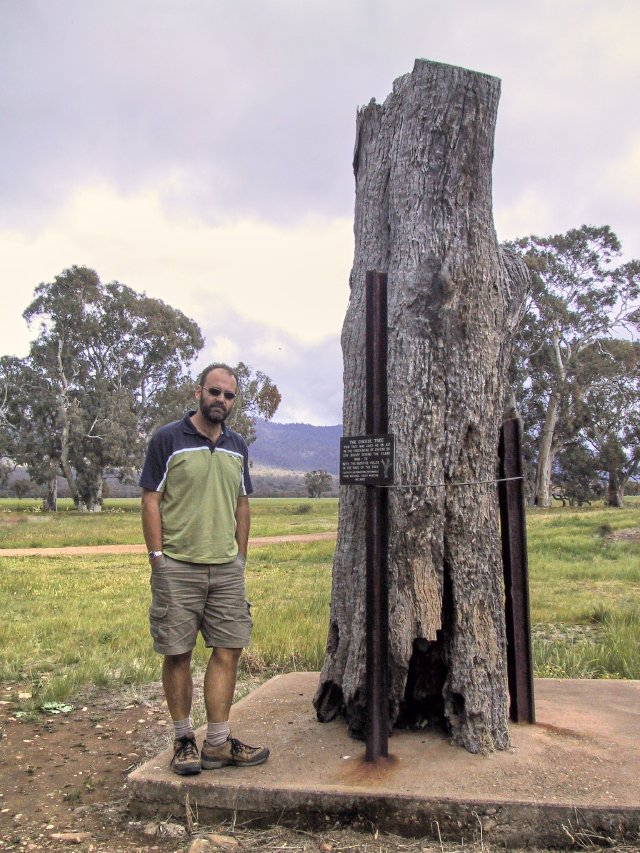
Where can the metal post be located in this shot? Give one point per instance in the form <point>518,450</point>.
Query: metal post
<point>516,574</point>
<point>377,611</point>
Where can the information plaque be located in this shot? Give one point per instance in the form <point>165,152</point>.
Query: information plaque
<point>367,460</point>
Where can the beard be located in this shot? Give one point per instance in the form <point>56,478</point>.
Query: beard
<point>215,413</point>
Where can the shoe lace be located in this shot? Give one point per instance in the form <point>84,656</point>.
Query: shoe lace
<point>238,746</point>
<point>186,749</point>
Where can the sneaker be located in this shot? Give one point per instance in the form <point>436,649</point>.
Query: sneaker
<point>232,752</point>
<point>186,759</point>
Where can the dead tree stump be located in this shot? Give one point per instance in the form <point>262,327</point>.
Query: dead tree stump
<point>423,215</point>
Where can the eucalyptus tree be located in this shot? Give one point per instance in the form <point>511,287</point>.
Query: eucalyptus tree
<point>258,397</point>
<point>578,296</point>
<point>576,479</point>
<point>318,482</point>
<point>104,353</point>
<point>10,374</point>
<point>30,428</point>
<point>609,413</point>
<point>108,366</point>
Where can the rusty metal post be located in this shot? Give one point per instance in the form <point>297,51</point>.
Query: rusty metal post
<point>516,574</point>
<point>377,610</point>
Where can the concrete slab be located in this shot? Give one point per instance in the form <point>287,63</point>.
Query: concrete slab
<point>574,774</point>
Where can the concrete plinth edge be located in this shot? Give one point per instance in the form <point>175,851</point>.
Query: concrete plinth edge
<point>567,780</point>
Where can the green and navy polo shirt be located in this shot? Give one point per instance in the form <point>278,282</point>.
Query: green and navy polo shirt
<point>200,484</point>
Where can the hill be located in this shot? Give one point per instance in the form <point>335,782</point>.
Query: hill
<point>280,456</point>
<point>296,447</point>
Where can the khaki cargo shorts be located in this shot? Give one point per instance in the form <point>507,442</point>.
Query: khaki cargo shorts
<point>191,597</point>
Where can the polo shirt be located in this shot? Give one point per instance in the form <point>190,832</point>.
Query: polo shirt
<point>200,484</point>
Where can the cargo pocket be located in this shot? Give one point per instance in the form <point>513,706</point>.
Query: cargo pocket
<point>247,605</point>
<point>157,618</point>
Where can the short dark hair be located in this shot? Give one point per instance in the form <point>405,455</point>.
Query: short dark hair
<point>217,366</point>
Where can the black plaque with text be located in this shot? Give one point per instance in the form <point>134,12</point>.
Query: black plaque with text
<point>367,460</point>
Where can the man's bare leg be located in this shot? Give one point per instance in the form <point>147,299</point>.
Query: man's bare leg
<point>178,685</point>
<point>178,690</point>
<point>219,749</point>
<point>220,683</point>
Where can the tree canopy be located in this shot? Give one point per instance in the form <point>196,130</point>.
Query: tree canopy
<point>318,483</point>
<point>108,366</point>
<point>581,300</point>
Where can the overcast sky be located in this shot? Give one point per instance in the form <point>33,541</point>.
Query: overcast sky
<point>200,150</point>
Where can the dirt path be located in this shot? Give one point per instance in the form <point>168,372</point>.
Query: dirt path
<point>79,550</point>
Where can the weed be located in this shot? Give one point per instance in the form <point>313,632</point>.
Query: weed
<point>302,509</point>
<point>72,795</point>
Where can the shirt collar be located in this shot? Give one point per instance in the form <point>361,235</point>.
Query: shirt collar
<point>189,427</point>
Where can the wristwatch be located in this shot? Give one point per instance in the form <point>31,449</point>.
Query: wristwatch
<point>154,554</point>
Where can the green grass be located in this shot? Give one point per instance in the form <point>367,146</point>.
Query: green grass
<point>574,569</point>
<point>72,621</point>
<point>276,516</point>
<point>290,587</point>
<point>585,593</point>
<point>119,524</point>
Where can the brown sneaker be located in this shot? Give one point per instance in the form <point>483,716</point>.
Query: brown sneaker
<point>232,752</point>
<point>186,759</point>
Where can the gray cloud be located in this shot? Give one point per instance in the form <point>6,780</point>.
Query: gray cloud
<point>249,106</point>
<point>309,376</point>
<point>247,109</point>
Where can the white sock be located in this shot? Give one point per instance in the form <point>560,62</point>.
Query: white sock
<point>183,728</point>
<point>217,733</point>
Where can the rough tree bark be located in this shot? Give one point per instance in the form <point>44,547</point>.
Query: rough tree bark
<point>615,490</point>
<point>546,453</point>
<point>50,501</point>
<point>423,215</point>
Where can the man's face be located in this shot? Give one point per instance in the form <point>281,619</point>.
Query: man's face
<point>213,404</point>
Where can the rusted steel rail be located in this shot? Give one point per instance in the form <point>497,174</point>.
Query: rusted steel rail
<point>377,507</point>
<point>516,574</point>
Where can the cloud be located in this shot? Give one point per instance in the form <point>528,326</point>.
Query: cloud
<point>230,99</point>
<point>249,107</point>
<point>623,173</point>
<point>294,278</point>
<point>202,151</point>
<point>273,296</point>
<point>308,374</point>
<point>527,214</point>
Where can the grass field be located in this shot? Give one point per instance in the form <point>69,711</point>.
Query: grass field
<point>22,525</point>
<point>585,593</point>
<point>70,621</point>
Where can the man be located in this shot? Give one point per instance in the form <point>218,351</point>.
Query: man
<point>195,518</point>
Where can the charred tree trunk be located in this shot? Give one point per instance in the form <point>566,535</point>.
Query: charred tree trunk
<point>423,215</point>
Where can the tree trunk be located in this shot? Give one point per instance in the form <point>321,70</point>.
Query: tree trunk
<point>423,215</point>
<point>50,502</point>
<point>615,490</point>
<point>90,492</point>
<point>542,496</point>
<point>67,470</point>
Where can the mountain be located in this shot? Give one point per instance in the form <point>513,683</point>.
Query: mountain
<point>296,447</point>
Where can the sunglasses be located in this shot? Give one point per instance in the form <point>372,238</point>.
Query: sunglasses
<point>217,392</point>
